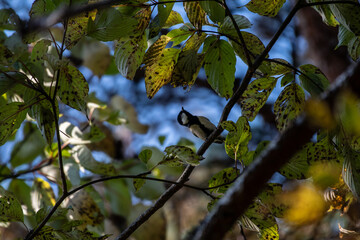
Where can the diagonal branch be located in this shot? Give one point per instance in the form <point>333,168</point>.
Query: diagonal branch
<point>279,152</point>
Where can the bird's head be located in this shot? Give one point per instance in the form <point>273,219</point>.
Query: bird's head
<point>184,117</point>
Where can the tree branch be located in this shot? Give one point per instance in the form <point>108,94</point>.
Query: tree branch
<point>249,185</point>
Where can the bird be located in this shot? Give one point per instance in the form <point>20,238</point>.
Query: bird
<point>200,126</point>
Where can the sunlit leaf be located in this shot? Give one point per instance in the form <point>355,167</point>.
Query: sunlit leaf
<point>265,8</point>
<point>255,96</point>
<point>289,105</point>
<point>178,35</point>
<point>10,207</point>
<point>219,65</point>
<point>195,13</point>
<point>236,143</point>
<point>129,55</point>
<point>42,195</point>
<point>325,13</point>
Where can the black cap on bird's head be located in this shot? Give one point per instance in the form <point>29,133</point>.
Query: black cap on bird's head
<point>184,117</point>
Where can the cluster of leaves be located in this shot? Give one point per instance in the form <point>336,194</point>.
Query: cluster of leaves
<point>36,76</point>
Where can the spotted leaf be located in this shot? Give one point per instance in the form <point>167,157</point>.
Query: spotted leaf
<point>195,13</point>
<point>223,180</point>
<point>10,207</point>
<point>288,105</point>
<point>73,88</point>
<point>255,96</point>
<point>179,155</point>
<point>268,8</point>
<point>219,65</point>
<point>129,56</point>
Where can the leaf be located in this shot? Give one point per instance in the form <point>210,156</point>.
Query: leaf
<point>214,10</point>
<point>288,78</point>
<point>21,191</point>
<point>195,13</point>
<point>41,7</point>
<point>77,28</point>
<point>129,55</point>
<point>189,62</point>
<point>72,134</point>
<point>164,11</point>
<point>348,15</point>
<point>252,155</point>
<point>110,25</point>
<point>11,116</point>
<point>29,148</point>
<point>178,155</point>
<point>178,35</point>
<point>85,209</point>
<point>9,20</point>
<point>313,80</point>
<point>159,73</point>
<point>45,118</point>
<point>155,26</point>
<point>173,19</point>
<point>279,67</point>
<point>118,192</point>
<point>260,216</point>
<point>325,13</point>
<point>349,39</point>
<point>45,233</point>
<point>8,80</point>
<point>265,8</point>
<point>145,155</point>
<point>10,207</point>
<point>39,50</point>
<point>270,198</point>
<point>351,172</point>
<point>255,96</point>
<point>288,105</point>
<point>83,156</point>
<point>310,154</point>
<point>236,143</point>
<point>73,88</point>
<point>227,26</point>
<point>139,182</point>
<point>42,195</point>
<point>219,65</point>
<point>225,177</point>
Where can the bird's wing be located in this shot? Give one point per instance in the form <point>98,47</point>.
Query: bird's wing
<point>206,122</point>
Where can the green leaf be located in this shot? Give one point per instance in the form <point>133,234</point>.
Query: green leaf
<point>42,7</point>
<point>325,13</point>
<point>311,153</point>
<point>236,143</point>
<point>110,25</point>
<point>313,80</point>
<point>45,118</point>
<point>145,155</point>
<point>178,35</point>
<point>219,65</point>
<point>288,78</point>
<point>351,171</point>
<point>225,177</point>
<point>6,56</point>
<point>8,80</point>
<point>178,155</point>
<point>139,182</point>
<point>255,96</point>
<point>164,11</point>
<point>118,192</point>
<point>195,13</point>
<point>42,195</point>
<point>265,8</point>
<point>348,15</point>
<point>9,20</point>
<point>29,148</point>
<point>10,207</point>
<point>279,67</point>
<point>214,10</point>
<point>173,19</point>
<point>250,156</point>
<point>269,197</point>
<point>159,73</point>
<point>288,105</point>
<point>260,216</point>
<point>39,50</point>
<point>22,192</point>
<point>11,116</point>
<point>129,55</point>
<point>227,26</point>
<point>83,156</point>
<point>73,88</point>
<point>45,233</point>
<point>349,39</point>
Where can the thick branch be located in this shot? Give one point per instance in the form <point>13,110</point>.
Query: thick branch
<point>280,151</point>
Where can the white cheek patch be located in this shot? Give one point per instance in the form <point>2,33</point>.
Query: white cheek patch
<point>184,118</point>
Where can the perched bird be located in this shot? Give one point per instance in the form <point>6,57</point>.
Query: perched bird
<point>200,126</point>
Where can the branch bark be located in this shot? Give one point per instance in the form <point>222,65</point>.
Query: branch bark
<point>280,151</point>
